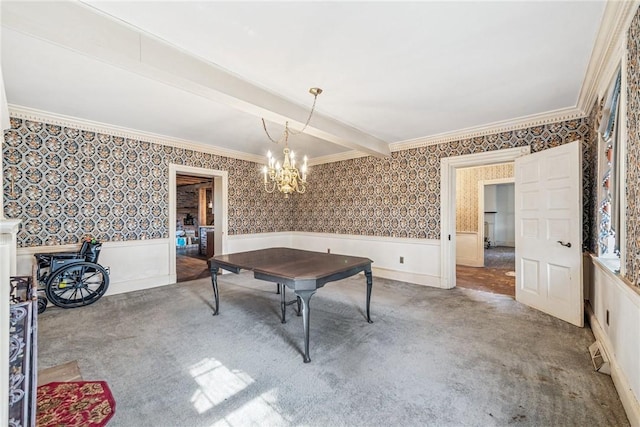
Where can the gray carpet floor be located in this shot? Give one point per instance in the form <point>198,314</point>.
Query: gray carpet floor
<point>432,357</point>
<point>500,257</point>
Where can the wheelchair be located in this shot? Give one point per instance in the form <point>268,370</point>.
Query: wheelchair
<point>71,279</point>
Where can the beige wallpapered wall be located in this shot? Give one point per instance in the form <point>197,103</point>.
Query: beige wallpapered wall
<point>467,192</point>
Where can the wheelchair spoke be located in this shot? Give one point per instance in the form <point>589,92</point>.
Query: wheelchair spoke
<point>77,284</point>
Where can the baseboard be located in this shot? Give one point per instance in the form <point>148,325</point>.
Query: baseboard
<point>140,284</point>
<point>629,401</point>
<point>403,276</point>
<point>470,262</point>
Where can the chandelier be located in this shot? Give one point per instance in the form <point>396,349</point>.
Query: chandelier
<point>286,177</point>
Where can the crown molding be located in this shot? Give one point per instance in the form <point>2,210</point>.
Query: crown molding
<point>339,157</point>
<point>607,50</point>
<point>492,128</point>
<point>27,113</point>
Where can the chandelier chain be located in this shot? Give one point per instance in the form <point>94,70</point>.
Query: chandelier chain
<point>287,131</point>
<point>284,135</point>
<point>313,107</point>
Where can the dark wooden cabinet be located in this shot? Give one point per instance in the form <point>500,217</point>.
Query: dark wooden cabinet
<point>210,243</point>
<point>206,240</point>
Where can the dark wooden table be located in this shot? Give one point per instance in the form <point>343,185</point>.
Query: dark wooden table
<point>302,271</point>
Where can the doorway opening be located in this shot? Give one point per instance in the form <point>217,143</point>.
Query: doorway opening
<point>194,226</point>
<point>485,228</point>
<point>448,211</point>
<point>197,219</point>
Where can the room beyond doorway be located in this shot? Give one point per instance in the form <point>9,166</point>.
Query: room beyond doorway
<point>194,225</point>
<point>497,276</point>
<point>190,265</point>
<point>219,208</point>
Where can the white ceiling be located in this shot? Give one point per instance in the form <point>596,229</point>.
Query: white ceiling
<point>394,71</point>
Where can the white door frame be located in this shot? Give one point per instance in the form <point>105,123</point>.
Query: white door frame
<point>448,167</point>
<point>221,192</point>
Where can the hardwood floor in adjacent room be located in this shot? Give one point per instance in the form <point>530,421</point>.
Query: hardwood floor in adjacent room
<point>190,265</point>
<point>493,277</point>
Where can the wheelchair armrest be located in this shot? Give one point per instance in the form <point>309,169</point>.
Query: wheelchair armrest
<point>63,255</point>
<point>44,260</point>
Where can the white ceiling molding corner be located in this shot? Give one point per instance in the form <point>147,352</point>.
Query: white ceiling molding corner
<point>26,113</point>
<point>126,47</point>
<point>607,51</point>
<point>492,128</point>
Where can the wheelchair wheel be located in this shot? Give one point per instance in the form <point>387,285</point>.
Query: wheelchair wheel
<point>42,304</point>
<point>77,284</point>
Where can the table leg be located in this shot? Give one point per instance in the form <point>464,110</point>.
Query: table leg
<point>305,296</point>
<point>278,288</point>
<point>299,310</point>
<point>214,282</point>
<point>369,277</point>
<point>283,303</point>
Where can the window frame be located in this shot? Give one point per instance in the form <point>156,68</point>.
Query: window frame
<point>614,262</point>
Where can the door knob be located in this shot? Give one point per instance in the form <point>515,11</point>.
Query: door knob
<point>568,245</point>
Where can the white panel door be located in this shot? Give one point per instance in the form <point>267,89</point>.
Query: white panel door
<point>548,196</point>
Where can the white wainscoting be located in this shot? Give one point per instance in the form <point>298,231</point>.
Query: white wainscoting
<point>620,336</point>
<point>421,257</point>
<point>469,249</point>
<point>133,265</point>
<point>142,264</point>
<point>251,242</point>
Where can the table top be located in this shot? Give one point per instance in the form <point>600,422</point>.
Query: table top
<point>294,264</point>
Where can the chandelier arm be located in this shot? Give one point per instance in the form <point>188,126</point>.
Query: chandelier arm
<point>273,187</point>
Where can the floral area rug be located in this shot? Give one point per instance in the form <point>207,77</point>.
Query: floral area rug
<point>78,403</point>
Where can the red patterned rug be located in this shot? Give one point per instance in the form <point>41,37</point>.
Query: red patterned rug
<point>78,403</point>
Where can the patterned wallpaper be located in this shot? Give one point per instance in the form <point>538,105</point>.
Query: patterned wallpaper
<point>66,183</point>
<point>590,182</point>
<point>400,196</point>
<point>633,153</point>
<point>467,192</point>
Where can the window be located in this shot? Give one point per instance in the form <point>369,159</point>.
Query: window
<point>609,210</point>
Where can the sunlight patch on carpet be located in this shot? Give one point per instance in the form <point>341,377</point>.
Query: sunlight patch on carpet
<point>261,410</point>
<point>217,383</point>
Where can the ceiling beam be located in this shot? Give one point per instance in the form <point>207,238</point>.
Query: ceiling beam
<point>87,31</point>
